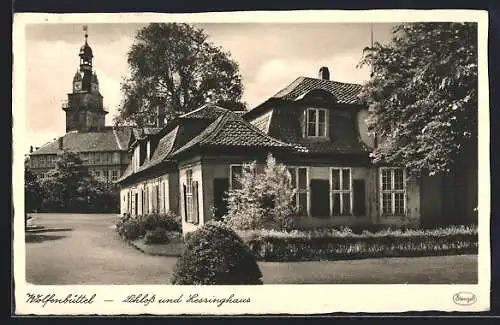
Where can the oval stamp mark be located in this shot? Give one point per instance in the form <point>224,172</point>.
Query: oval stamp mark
<point>464,298</point>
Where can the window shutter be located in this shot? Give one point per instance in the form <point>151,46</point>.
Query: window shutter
<point>359,197</point>
<point>196,213</point>
<point>185,203</point>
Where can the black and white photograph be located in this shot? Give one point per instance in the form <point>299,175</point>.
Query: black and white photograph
<point>219,164</point>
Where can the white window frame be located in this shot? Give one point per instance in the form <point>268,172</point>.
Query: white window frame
<point>392,191</point>
<point>231,173</point>
<point>189,196</point>
<point>114,175</point>
<point>341,191</point>
<point>316,124</point>
<point>298,190</point>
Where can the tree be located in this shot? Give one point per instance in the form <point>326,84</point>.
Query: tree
<point>174,69</point>
<point>64,183</point>
<point>422,95</point>
<point>32,191</point>
<point>265,199</point>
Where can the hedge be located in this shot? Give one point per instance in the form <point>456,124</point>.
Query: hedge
<point>134,227</point>
<point>333,244</point>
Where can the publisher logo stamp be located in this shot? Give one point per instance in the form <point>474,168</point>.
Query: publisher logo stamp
<point>464,298</point>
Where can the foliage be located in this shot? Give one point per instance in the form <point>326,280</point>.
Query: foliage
<point>156,236</point>
<point>32,191</point>
<point>333,244</point>
<point>169,221</point>
<point>422,94</point>
<point>132,228</point>
<point>63,183</point>
<point>69,187</point>
<point>265,199</point>
<point>214,254</point>
<point>173,69</point>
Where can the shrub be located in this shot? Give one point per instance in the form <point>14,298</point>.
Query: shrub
<point>333,244</point>
<point>168,221</point>
<point>214,254</point>
<point>132,228</point>
<point>157,236</point>
<point>265,200</point>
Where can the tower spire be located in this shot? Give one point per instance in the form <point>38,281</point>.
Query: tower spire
<point>85,29</point>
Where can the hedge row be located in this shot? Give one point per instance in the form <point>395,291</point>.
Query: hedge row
<point>154,226</point>
<point>341,245</point>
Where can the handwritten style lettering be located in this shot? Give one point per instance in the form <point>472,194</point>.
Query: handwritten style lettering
<point>53,299</point>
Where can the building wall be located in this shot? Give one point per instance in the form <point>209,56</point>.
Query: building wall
<point>148,200</point>
<point>206,171</point>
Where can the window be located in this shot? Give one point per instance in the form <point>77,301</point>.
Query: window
<point>105,174</point>
<point>116,157</point>
<point>316,122</point>
<point>97,174</point>
<point>42,175</point>
<point>235,177</point>
<point>341,187</point>
<point>114,175</point>
<point>191,198</point>
<point>392,191</point>
<point>300,184</point>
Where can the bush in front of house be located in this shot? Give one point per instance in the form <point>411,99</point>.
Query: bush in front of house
<point>214,254</point>
<point>130,228</point>
<point>135,227</point>
<point>168,221</point>
<point>156,236</point>
<point>335,244</point>
<point>265,199</point>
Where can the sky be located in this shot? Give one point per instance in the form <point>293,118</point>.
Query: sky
<point>270,56</point>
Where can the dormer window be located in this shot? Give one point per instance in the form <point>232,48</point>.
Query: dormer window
<point>316,126</point>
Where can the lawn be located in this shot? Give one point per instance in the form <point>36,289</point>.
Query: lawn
<point>455,269</point>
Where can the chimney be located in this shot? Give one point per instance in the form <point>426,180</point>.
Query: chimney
<point>60,140</point>
<point>31,149</point>
<point>324,73</point>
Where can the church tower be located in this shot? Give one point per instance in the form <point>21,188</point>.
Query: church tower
<point>84,108</point>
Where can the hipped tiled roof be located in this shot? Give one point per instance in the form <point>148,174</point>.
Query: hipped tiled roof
<point>109,139</point>
<point>230,130</point>
<point>345,93</point>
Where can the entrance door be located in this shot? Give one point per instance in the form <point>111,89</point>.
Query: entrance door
<point>320,198</point>
<point>221,186</point>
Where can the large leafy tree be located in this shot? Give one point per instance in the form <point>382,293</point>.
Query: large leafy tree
<point>63,183</point>
<point>174,69</point>
<point>422,95</point>
<point>70,187</point>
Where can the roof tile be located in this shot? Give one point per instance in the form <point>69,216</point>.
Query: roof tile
<point>345,93</point>
<point>110,139</point>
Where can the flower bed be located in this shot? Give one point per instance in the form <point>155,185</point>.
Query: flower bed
<point>334,244</point>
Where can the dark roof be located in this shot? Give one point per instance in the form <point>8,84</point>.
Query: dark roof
<point>345,93</point>
<point>109,139</point>
<point>208,111</point>
<point>163,149</point>
<point>231,130</point>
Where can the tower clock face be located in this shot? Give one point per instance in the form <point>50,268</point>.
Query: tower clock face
<point>78,86</point>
